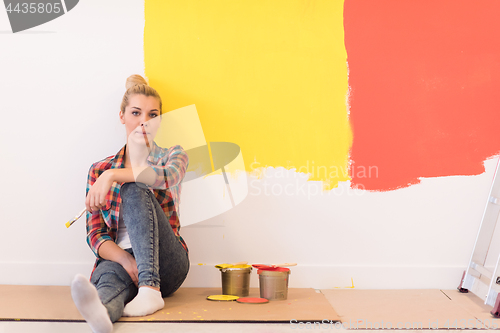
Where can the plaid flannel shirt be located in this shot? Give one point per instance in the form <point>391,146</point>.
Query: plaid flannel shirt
<point>169,164</point>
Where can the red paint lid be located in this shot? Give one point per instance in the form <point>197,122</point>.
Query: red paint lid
<point>252,300</point>
<point>262,267</point>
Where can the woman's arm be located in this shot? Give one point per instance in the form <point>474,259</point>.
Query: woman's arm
<point>110,251</point>
<point>171,168</point>
<point>169,172</point>
<point>97,230</point>
<point>98,236</point>
<point>96,194</point>
<point>144,174</point>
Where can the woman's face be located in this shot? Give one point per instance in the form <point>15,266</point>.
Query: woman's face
<point>141,110</point>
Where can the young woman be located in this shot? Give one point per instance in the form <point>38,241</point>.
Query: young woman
<point>133,219</point>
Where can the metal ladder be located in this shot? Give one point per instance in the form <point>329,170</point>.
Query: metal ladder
<point>477,278</point>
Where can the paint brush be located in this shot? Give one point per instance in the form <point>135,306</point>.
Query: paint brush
<point>240,263</point>
<point>145,136</point>
<point>284,265</point>
<point>69,223</point>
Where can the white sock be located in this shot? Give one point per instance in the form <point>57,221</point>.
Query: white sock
<point>90,306</point>
<point>146,302</point>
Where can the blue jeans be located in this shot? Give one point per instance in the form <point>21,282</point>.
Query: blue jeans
<point>161,259</point>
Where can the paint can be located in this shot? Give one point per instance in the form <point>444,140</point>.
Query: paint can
<point>236,280</point>
<point>274,283</point>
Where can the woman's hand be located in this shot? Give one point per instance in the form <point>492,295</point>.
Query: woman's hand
<point>96,197</point>
<point>110,251</point>
<point>128,262</point>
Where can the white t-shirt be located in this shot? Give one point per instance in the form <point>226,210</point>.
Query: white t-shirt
<point>122,239</point>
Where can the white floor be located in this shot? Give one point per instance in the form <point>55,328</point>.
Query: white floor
<point>50,327</point>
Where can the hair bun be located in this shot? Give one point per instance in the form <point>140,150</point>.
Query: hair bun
<point>133,80</point>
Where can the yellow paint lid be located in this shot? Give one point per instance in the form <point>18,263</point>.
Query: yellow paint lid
<point>225,298</point>
<point>222,266</point>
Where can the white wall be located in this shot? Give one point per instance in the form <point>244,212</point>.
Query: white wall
<point>61,85</point>
<point>417,237</point>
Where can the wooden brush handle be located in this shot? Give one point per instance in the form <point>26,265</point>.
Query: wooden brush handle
<point>285,265</point>
<point>240,263</point>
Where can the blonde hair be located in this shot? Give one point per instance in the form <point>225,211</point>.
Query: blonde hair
<point>136,84</point>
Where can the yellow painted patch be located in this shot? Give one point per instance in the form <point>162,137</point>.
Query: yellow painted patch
<point>270,76</point>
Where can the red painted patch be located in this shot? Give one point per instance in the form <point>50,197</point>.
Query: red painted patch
<point>425,88</point>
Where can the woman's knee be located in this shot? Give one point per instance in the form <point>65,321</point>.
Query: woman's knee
<point>110,273</point>
<point>133,190</point>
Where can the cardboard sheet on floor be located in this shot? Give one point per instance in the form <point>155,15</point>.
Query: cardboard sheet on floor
<point>186,305</point>
<point>37,303</point>
<point>475,306</point>
<point>190,304</point>
<point>407,309</point>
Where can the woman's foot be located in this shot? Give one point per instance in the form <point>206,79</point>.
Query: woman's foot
<point>146,302</point>
<point>88,303</point>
